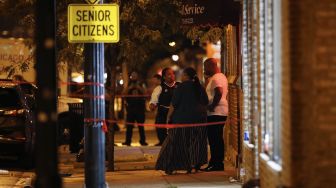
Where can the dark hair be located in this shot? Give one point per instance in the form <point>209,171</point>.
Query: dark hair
<point>191,73</point>
<point>157,76</point>
<point>163,73</point>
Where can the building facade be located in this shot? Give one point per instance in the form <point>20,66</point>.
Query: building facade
<point>288,82</point>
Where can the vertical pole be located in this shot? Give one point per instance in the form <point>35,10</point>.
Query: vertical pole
<point>94,111</point>
<point>45,144</point>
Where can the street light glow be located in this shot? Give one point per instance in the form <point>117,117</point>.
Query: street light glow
<point>175,57</point>
<point>78,79</point>
<point>172,44</point>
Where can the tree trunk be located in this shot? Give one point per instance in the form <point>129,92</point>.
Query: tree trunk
<point>111,78</point>
<point>125,74</point>
<point>125,77</point>
<point>111,111</point>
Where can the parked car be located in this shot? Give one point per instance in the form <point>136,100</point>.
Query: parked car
<point>17,123</point>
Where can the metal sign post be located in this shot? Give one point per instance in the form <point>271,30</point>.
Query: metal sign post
<point>94,108</point>
<point>93,24</point>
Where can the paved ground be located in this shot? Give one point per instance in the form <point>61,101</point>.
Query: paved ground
<point>157,179</point>
<point>15,178</point>
<point>133,179</point>
<point>133,168</point>
<point>151,137</point>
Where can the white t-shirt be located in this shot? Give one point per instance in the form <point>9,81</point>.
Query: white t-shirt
<point>155,95</point>
<point>218,80</point>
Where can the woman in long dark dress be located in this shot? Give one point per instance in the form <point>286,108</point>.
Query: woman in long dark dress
<point>186,148</point>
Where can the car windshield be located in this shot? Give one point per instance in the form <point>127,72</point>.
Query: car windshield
<point>9,98</point>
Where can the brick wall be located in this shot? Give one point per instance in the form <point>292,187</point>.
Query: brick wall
<point>248,161</point>
<point>286,99</point>
<point>269,178</point>
<point>308,129</point>
<point>312,31</point>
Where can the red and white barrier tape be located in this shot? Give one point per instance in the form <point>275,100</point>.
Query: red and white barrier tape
<point>83,84</point>
<point>102,96</point>
<point>175,125</point>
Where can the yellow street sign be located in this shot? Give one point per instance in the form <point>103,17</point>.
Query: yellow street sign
<point>93,23</point>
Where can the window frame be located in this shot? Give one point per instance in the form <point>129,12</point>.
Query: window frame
<point>271,131</point>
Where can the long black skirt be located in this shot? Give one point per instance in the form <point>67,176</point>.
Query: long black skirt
<point>183,149</point>
<point>174,154</point>
<point>199,146</point>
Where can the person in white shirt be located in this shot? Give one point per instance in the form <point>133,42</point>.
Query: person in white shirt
<point>161,99</point>
<point>217,89</point>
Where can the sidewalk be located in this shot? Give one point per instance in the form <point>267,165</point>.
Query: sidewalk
<point>157,179</point>
<point>134,168</point>
<point>15,179</point>
<point>126,158</point>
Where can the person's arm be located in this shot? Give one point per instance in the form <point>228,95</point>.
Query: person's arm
<point>216,99</point>
<point>155,97</point>
<point>176,100</point>
<point>204,97</point>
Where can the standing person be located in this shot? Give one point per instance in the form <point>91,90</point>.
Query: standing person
<point>217,89</point>
<point>135,107</point>
<point>186,148</point>
<point>161,98</point>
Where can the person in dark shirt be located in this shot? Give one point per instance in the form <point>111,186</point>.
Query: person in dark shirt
<point>160,100</point>
<point>135,107</point>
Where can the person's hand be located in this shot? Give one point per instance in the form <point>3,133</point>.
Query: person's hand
<point>152,107</point>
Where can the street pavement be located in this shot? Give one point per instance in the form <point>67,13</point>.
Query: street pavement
<point>157,179</point>
<point>134,167</point>
<point>15,178</point>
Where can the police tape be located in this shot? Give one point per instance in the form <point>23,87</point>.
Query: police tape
<point>86,96</point>
<point>90,120</point>
<point>160,125</point>
<point>83,83</point>
<point>82,95</point>
<point>61,83</point>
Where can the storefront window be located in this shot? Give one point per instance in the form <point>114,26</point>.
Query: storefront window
<point>261,74</point>
<point>246,73</point>
<point>271,83</point>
